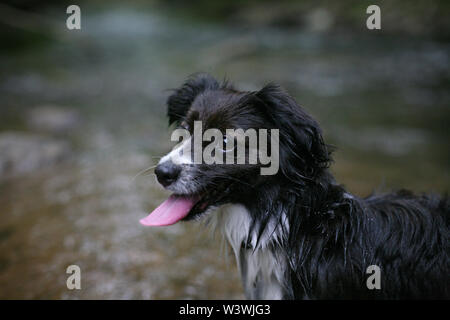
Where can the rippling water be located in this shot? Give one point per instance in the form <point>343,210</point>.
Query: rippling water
<point>384,102</point>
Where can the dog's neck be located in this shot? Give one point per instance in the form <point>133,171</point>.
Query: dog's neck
<point>261,252</point>
<point>261,263</point>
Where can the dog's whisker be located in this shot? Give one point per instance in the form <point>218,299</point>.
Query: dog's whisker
<point>142,172</point>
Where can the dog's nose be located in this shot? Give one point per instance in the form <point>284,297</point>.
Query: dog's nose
<point>167,173</point>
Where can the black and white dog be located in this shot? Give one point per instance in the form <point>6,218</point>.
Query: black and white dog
<point>298,234</point>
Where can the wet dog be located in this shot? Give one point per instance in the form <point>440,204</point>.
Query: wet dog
<point>298,234</point>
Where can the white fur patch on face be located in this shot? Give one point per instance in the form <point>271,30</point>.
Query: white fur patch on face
<point>181,154</point>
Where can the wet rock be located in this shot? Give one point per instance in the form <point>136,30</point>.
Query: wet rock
<point>52,119</point>
<point>22,153</point>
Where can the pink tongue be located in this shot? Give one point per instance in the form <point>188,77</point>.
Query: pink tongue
<point>170,211</point>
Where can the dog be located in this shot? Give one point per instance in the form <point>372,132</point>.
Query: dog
<point>298,234</point>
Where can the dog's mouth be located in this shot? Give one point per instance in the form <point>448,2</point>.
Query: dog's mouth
<point>182,207</point>
<point>175,208</point>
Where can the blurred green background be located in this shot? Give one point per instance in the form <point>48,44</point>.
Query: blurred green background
<point>82,112</point>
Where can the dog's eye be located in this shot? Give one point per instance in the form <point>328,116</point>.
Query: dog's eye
<point>228,143</point>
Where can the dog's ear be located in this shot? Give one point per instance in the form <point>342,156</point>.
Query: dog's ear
<point>300,135</point>
<point>180,101</point>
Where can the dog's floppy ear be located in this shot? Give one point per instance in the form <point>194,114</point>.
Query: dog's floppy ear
<point>180,101</point>
<point>300,134</point>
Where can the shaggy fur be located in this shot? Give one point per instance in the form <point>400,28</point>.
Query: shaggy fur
<point>318,238</point>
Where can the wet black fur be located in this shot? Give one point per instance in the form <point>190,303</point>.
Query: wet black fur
<point>332,237</point>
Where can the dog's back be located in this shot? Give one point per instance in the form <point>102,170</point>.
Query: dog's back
<point>405,236</point>
<point>410,239</point>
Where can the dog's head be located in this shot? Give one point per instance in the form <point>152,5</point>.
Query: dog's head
<point>294,146</point>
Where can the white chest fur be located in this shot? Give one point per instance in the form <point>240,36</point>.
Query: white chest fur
<point>262,269</point>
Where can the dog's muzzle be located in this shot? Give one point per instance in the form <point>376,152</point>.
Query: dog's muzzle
<point>167,173</point>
